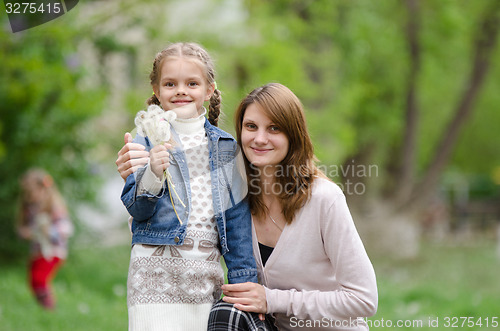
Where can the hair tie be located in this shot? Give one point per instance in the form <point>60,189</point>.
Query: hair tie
<point>215,85</point>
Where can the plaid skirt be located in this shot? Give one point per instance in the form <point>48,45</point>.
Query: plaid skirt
<point>224,317</point>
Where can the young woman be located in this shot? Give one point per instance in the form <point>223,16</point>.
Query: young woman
<point>313,269</point>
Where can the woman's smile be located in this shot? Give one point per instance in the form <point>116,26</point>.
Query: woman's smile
<point>260,150</point>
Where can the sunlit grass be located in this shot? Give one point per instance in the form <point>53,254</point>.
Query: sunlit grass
<point>445,281</point>
<point>90,290</point>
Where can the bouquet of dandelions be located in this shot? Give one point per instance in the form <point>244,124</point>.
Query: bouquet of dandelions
<point>155,124</point>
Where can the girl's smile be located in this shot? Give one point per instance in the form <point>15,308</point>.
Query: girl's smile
<point>181,102</point>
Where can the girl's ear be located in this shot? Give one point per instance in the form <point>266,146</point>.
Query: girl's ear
<point>156,91</point>
<point>210,91</point>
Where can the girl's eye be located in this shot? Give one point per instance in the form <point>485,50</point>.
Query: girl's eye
<point>169,84</point>
<point>193,84</point>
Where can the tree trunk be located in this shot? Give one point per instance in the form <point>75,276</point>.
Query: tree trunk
<point>408,148</point>
<point>393,230</point>
<point>485,43</point>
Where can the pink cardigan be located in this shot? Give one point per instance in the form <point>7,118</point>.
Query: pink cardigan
<point>319,275</point>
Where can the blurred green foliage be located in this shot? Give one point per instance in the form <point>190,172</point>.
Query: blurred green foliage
<point>348,61</point>
<point>44,118</point>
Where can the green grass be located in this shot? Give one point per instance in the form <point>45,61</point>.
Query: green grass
<point>445,281</point>
<point>90,290</point>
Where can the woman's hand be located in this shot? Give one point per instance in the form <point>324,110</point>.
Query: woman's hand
<point>160,159</point>
<point>131,157</point>
<point>246,296</point>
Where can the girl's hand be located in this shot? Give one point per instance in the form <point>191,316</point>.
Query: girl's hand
<point>246,296</point>
<point>160,159</point>
<point>24,232</point>
<point>131,157</point>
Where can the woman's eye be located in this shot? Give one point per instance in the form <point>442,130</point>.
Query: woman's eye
<point>274,128</point>
<point>250,126</point>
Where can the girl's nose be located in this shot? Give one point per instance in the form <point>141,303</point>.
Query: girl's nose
<point>181,89</point>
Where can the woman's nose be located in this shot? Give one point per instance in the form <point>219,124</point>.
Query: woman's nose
<point>261,137</point>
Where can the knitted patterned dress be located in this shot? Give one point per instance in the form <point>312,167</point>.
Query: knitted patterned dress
<point>174,287</point>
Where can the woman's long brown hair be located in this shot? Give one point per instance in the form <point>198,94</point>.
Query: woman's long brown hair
<point>297,170</point>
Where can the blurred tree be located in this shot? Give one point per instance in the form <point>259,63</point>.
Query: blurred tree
<point>390,84</point>
<point>380,80</point>
<point>44,117</point>
<point>407,86</point>
<point>388,77</point>
<point>484,43</point>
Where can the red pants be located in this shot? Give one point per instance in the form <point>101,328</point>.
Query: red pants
<point>41,273</point>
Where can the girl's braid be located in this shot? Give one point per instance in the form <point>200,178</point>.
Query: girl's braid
<point>214,108</point>
<point>154,77</point>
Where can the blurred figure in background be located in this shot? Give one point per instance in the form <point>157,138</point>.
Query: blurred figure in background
<point>43,220</point>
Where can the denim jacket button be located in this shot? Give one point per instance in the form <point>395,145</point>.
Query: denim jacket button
<point>176,239</point>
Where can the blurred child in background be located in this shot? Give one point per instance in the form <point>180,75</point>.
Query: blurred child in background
<point>43,220</point>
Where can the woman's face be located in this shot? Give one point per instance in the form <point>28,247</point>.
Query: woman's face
<point>263,142</point>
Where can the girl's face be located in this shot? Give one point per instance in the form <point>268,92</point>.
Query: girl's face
<point>183,83</point>
<point>33,191</point>
<point>264,144</point>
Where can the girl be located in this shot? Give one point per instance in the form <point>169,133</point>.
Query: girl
<point>43,219</point>
<point>180,224</point>
<point>312,265</point>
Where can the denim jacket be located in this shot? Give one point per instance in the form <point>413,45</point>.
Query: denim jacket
<point>157,222</point>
